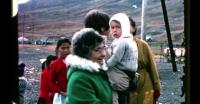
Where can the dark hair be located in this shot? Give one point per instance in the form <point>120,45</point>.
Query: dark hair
<point>97,20</point>
<point>21,69</point>
<point>43,65</point>
<point>60,42</point>
<point>50,58</point>
<point>84,41</point>
<point>133,24</point>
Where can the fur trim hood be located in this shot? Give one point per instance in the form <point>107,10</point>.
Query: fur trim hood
<point>84,64</point>
<point>123,19</point>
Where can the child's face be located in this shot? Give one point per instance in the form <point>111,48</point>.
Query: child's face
<point>64,50</point>
<point>115,28</point>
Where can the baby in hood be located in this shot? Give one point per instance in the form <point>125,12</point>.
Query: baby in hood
<point>123,61</point>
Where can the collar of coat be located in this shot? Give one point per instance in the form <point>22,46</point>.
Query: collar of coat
<point>84,64</point>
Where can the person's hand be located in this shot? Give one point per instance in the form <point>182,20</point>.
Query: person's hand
<point>109,51</point>
<point>156,94</point>
<point>63,93</point>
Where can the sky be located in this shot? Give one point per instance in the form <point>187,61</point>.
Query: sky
<point>22,1</point>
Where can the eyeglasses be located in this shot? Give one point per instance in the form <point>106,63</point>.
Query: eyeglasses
<point>100,49</point>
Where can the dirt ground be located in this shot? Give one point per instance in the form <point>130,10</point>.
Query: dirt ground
<point>31,54</point>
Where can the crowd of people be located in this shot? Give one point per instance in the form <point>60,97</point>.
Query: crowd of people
<point>86,70</point>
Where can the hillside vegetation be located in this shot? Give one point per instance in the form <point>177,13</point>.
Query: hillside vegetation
<point>39,18</point>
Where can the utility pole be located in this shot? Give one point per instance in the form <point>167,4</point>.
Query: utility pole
<point>169,36</point>
<point>186,68</point>
<point>143,35</point>
<point>32,28</point>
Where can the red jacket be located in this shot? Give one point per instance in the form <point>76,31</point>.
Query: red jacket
<point>44,86</point>
<point>58,76</point>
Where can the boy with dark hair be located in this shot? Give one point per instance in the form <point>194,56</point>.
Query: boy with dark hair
<point>98,21</point>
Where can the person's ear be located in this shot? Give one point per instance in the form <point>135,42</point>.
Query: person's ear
<point>104,31</point>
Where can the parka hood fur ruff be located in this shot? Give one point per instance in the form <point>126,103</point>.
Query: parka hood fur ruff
<point>84,64</point>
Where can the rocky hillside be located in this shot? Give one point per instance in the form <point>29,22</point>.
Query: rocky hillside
<point>39,18</point>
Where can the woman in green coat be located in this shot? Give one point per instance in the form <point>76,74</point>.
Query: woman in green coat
<point>87,79</point>
<point>148,90</point>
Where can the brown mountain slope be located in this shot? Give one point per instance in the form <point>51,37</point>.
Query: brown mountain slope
<point>40,18</point>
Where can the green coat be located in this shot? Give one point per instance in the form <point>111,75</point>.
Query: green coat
<point>149,77</point>
<point>87,85</point>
